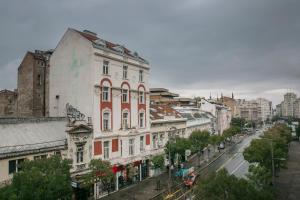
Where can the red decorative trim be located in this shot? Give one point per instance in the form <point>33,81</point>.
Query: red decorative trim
<point>106,104</point>
<point>125,105</point>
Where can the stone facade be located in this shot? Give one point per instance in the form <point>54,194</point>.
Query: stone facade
<point>33,84</point>
<point>8,102</point>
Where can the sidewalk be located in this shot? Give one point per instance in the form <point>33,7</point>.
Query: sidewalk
<point>288,182</point>
<point>147,188</point>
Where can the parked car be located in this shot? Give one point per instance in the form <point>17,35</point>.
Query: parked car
<point>190,179</point>
<point>222,145</point>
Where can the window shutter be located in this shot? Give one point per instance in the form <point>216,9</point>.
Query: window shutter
<point>115,145</point>
<point>97,148</point>
<point>148,139</point>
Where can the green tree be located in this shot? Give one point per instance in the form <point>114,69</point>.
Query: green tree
<point>233,130</point>
<point>238,122</point>
<point>221,185</point>
<point>158,161</point>
<point>40,179</point>
<point>215,140</point>
<point>259,150</point>
<point>178,146</point>
<point>100,170</point>
<point>199,140</point>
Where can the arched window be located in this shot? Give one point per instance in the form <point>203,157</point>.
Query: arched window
<point>125,93</point>
<point>106,91</point>
<point>106,121</point>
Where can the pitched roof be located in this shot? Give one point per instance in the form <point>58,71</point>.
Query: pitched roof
<point>116,48</point>
<point>159,111</point>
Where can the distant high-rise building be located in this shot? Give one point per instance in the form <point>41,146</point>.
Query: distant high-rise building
<point>297,108</point>
<point>287,106</point>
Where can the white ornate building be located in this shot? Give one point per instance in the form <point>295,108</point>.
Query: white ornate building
<point>109,85</point>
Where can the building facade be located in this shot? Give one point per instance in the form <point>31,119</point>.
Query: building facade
<point>29,139</point>
<point>109,85</point>
<point>33,78</point>
<point>287,106</point>
<point>8,103</point>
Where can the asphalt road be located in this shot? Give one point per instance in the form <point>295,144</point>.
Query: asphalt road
<point>236,164</point>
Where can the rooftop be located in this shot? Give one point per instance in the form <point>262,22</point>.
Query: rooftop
<point>20,135</point>
<point>107,45</point>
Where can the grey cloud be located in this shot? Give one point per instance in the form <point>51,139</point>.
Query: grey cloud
<point>244,45</point>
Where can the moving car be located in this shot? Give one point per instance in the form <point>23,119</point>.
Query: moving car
<point>190,179</point>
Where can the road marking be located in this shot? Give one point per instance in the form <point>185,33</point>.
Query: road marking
<point>238,167</point>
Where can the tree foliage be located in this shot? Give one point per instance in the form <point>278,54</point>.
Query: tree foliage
<point>100,170</point>
<point>199,140</point>
<point>158,161</point>
<point>238,122</point>
<point>221,185</point>
<point>178,146</point>
<point>40,179</point>
<point>233,130</point>
<point>278,138</point>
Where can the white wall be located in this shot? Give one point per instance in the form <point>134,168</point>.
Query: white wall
<point>70,75</point>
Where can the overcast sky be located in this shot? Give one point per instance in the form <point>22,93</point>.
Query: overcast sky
<point>250,47</point>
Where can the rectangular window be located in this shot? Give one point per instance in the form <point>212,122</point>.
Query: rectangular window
<point>105,93</point>
<point>106,126</point>
<point>131,146</point>
<point>14,165</point>
<point>105,67</point>
<point>125,120</point>
<point>142,120</point>
<point>125,71</point>
<point>79,153</point>
<point>142,141</point>
<point>106,149</point>
<point>141,97</point>
<point>141,75</point>
<point>124,95</point>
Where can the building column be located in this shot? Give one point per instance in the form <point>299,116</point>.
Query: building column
<point>117,180</point>
<point>140,171</point>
